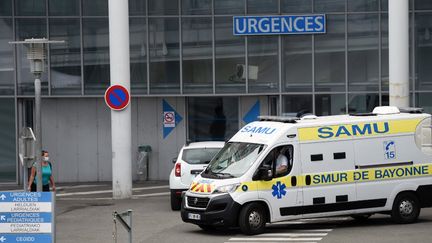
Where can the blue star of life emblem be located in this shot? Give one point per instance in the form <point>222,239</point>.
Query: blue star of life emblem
<point>278,190</point>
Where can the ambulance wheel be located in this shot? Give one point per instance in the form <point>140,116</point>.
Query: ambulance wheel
<point>405,208</point>
<point>361,217</point>
<point>175,202</point>
<point>252,219</point>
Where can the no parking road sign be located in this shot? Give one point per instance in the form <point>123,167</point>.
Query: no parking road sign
<point>117,97</point>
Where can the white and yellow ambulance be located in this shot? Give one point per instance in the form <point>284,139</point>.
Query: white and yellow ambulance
<point>355,165</point>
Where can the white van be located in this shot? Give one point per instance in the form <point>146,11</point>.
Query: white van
<point>355,165</point>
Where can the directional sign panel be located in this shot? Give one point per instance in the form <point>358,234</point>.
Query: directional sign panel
<point>117,97</point>
<point>26,217</point>
<point>13,238</point>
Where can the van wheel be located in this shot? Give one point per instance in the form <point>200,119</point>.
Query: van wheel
<point>175,202</point>
<point>361,217</point>
<point>252,219</point>
<point>406,208</point>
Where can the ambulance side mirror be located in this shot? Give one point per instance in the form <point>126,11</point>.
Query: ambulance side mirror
<point>264,173</point>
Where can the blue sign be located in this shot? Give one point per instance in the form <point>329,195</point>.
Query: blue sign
<point>13,238</point>
<point>26,217</point>
<point>253,113</point>
<point>278,190</point>
<point>25,197</point>
<point>279,25</point>
<point>170,118</point>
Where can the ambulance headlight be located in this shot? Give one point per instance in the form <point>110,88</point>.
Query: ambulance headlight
<point>226,188</point>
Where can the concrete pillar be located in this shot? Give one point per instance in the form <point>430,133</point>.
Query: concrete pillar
<point>120,120</point>
<point>399,52</point>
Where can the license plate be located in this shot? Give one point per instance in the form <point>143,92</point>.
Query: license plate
<point>194,216</point>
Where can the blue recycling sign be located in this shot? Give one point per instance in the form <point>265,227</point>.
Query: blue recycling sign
<point>26,217</point>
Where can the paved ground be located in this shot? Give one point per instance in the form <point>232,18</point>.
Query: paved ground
<point>84,214</point>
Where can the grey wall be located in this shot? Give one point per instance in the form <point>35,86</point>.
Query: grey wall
<point>77,133</point>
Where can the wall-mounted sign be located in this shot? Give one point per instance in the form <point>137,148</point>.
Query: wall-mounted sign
<point>279,25</point>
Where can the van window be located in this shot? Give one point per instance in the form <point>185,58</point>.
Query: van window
<point>339,155</point>
<point>281,160</point>
<point>316,157</point>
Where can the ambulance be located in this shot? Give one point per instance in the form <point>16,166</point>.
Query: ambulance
<point>356,165</point>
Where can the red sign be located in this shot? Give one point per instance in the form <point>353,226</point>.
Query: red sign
<point>117,97</point>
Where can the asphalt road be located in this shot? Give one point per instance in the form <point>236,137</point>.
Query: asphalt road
<point>87,217</point>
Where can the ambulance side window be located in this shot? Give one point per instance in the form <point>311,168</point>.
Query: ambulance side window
<point>280,159</point>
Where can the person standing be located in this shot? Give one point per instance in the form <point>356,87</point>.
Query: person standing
<point>47,177</point>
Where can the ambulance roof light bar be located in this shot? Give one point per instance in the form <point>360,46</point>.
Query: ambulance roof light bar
<point>283,119</point>
<point>386,110</point>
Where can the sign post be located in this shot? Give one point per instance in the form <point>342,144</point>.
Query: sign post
<point>27,217</point>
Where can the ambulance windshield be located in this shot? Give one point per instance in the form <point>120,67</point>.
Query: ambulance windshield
<point>233,160</point>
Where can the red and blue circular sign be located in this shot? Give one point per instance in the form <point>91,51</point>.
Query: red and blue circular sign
<point>117,97</point>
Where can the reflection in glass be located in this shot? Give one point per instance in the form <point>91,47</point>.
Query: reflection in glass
<point>29,7</point>
<point>197,55</point>
<point>424,101</point>
<point>96,55</point>
<point>193,7</point>
<point>261,7</point>
<point>297,63</point>
<point>65,58</point>
<point>6,8</point>
<point>230,58</point>
<point>330,56</point>
<point>95,7</point>
<point>423,52</point>
<point>362,5</point>
<point>330,104</point>
<point>26,29</point>
<point>138,55</point>
<point>229,7</point>
<point>137,7</point>
<point>384,53</point>
<point>263,64</point>
<point>64,8</point>
<point>329,6</point>
<point>214,118</point>
<point>362,103</point>
<point>363,52</point>
<point>294,105</point>
<point>7,141</point>
<point>163,7</point>
<point>423,4</point>
<point>164,55</point>
<point>296,6</point>
<point>6,58</point>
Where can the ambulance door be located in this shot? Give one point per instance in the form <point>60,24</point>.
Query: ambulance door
<point>328,188</point>
<point>279,188</point>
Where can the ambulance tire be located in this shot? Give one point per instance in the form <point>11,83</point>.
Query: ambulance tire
<point>252,219</point>
<point>175,202</point>
<point>406,208</point>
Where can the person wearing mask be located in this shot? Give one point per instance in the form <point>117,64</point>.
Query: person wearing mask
<point>47,177</point>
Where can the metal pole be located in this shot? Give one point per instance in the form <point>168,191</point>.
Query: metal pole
<point>25,176</point>
<point>399,53</point>
<point>38,132</point>
<point>130,225</point>
<point>121,134</point>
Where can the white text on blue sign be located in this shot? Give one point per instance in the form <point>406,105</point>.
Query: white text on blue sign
<point>279,25</point>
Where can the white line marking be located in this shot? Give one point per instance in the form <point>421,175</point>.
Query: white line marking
<point>110,198</point>
<point>294,234</point>
<point>107,191</point>
<point>275,239</point>
<point>78,186</point>
<point>267,242</point>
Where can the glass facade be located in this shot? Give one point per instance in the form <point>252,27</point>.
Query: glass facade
<point>186,48</point>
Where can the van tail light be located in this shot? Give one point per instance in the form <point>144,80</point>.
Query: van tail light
<point>177,170</point>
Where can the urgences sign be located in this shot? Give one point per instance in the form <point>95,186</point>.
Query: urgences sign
<point>279,25</point>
